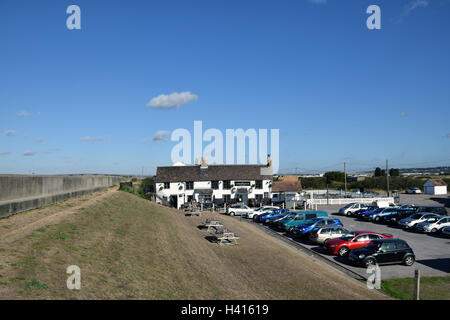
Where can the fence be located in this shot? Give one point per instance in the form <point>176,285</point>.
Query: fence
<point>334,201</point>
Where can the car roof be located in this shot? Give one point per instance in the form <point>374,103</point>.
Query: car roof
<point>389,240</point>
<point>358,232</point>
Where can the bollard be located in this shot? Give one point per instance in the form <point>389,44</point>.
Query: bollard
<point>417,284</point>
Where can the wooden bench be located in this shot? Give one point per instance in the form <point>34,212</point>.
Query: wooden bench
<point>212,224</point>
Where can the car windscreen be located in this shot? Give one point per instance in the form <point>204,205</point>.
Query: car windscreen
<point>348,237</point>
<point>416,216</point>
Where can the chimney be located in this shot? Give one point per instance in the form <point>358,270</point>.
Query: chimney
<point>269,161</point>
<point>196,162</point>
<point>204,164</point>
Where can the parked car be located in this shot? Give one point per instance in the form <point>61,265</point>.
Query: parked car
<point>384,251</point>
<point>433,224</point>
<point>320,235</point>
<point>351,207</point>
<point>266,217</point>
<point>446,231</point>
<point>394,217</point>
<point>358,239</point>
<point>305,228</point>
<point>413,191</point>
<point>377,217</point>
<point>442,211</point>
<point>261,210</point>
<point>238,210</point>
<point>276,215</point>
<point>411,221</point>
<point>361,211</point>
<point>300,217</point>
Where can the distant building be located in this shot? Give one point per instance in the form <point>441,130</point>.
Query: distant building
<point>286,190</point>
<point>435,187</point>
<point>219,184</point>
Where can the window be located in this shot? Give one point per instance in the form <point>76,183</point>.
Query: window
<point>258,197</point>
<point>215,185</point>
<point>374,237</point>
<point>310,216</point>
<point>189,185</point>
<point>226,198</point>
<point>166,185</point>
<point>226,184</point>
<point>258,184</point>
<point>364,237</point>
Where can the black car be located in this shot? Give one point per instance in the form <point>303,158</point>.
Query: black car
<point>395,217</point>
<point>442,211</point>
<point>383,251</point>
<point>358,213</point>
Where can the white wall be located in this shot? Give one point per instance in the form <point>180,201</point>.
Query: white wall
<point>435,190</point>
<point>218,194</point>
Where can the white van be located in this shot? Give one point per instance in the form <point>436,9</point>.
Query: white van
<point>352,207</point>
<point>383,204</point>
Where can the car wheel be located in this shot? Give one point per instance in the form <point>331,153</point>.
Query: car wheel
<point>434,230</point>
<point>291,229</point>
<point>267,220</point>
<point>231,213</point>
<point>343,251</point>
<point>409,261</point>
<point>377,219</point>
<point>370,262</point>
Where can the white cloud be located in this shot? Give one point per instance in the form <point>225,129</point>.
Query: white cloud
<point>23,113</point>
<point>29,153</point>
<point>92,139</point>
<point>40,140</point>
<point>10,132</point>
<point>161,135</point>
<point>4,153</point>
<point>172,100</point>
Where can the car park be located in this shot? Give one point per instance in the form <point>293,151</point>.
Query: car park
<point>320,235</point>
<point>301,217</point>
<point>357,239</point>
<point>433,224</point>
<point>305,228</point>
<point>238,210</point>
<point>383,251</point>
<point>414,219</point>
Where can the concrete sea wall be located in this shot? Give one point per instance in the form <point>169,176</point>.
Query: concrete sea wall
<point>25,192</point>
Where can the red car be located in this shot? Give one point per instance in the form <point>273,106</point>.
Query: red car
<point>357,239</point>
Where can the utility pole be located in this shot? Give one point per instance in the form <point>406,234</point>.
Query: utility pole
<point>387,177</point>
<point>345,178</point>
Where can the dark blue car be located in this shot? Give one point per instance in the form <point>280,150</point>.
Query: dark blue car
<point>302,230</point>
<point>275,214</point>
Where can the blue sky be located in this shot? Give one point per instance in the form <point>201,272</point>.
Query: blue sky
<point>75,101</point>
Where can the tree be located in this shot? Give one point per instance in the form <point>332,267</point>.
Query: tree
<point>378,172</point>
<point>394,172</point>
<point>334,176</point>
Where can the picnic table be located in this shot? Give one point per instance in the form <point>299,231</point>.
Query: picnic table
<point>212,224</point>
<point>225,236</point>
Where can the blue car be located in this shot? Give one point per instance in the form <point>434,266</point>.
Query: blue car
<point>303,229</point>
<point>376,217</point>
<point>365,214</point>
<point>275,214</point>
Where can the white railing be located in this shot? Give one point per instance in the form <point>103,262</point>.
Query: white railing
<point>334,201</point>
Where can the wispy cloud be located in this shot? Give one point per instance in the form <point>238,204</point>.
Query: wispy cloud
<point>4,153</point>
<point>318,1</point>
<point>92,139</point>
<point>10,132</point>
<point>172,100</point>
<point>161,135</point>
<point>49,151</point>
<point>23,113</point>
<point>411,6</point>
<point>40,140</point>
<point>29,153</point>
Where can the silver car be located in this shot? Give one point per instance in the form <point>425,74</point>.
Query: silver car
<point>416,218</point>
<point>433,224</point>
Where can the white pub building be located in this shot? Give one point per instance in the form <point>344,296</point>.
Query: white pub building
<point>219,184</point>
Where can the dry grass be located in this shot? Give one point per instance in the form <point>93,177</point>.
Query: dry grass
<point>129,248</point>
